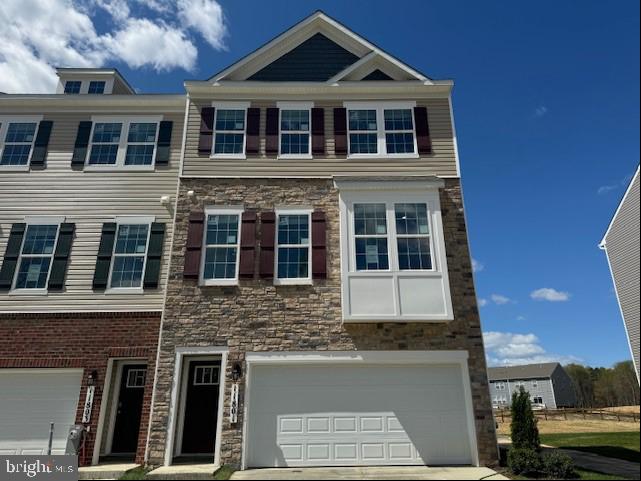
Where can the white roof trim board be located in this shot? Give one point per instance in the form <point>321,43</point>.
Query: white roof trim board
<point>317,22</point>
<point>603,242</point>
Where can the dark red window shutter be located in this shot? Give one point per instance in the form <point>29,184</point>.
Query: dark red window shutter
<point>319,247</point>
<point>423,140</point>
<point>271,131</point>
<point>267,239</point>
<point>340,131</point>
<point>253,127</point>
<point>205,141</point>
<point>194,245</point>
<point>247,245</point>
<point>318,130</point>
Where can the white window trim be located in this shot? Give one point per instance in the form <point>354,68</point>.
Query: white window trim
<point>36,220</point>
<point>126,121</point>
<point>84,85</point>
<point>294,106</point>
<point>299,280</point>
<point>354,192</point>
<point>5,120</point>
<point>229,106</point>
<point>380,107</point>
<point>126,220</point>
<point>220,210</point>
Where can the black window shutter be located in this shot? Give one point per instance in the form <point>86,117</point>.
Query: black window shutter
<point>105,251</point>
<point>164,141</point>
<point>318,130</point>
<point>11,255</point>
<point>154,253</point>
<point>205,141</point>
<point>61,256</point>
<point>39,154</point>
<point>82,142</point>
<point>271,131</point>
<point>423,140</point>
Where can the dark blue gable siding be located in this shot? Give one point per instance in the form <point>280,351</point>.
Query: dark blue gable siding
<point>377,75</point>
<point>315,60</point>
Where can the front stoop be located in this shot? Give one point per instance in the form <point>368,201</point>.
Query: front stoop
<point>105,471</point>
<point>183,471</point>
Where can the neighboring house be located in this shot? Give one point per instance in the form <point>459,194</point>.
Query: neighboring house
<point>546,383</point>
<point>88,177</point>
<point>621,245</point>
<point>320,305</point>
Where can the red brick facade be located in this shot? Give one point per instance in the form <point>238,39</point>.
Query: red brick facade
<point>87,341</point>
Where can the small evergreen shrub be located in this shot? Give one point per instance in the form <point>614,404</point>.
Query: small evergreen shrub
<point>524,431</point>
<point>557,465</point>
<point>523,461</point>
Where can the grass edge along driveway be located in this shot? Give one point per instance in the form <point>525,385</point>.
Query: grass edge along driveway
<point>620,445</point>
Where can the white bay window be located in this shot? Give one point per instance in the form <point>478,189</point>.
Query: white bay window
<point>393,262</point>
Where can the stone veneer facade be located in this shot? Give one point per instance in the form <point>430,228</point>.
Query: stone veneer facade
<point>257,316</point>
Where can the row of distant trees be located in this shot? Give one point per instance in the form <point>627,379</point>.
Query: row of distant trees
<point>605,387</point>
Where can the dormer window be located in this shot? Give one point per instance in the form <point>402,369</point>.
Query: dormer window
<point>72,86</point>
<point>96,87</point>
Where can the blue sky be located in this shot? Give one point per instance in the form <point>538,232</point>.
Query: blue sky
<point>546,104</point>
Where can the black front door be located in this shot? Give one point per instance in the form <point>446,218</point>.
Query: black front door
<point>201,407</point>
<point>127,425</point>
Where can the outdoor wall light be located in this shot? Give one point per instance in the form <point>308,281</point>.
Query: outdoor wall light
<point>236,372</point>
<point>93,377</point>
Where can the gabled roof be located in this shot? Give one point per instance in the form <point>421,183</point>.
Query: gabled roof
<point>352,54</point>
<point>635,178</point>
<point>526,371</point>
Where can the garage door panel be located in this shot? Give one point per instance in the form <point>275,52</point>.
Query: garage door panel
<point>357,415</point>
<point>31,400</point>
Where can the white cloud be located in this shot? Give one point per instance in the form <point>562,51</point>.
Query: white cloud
<point>520,318</point>
<point>540,111</point>
<point>607,188</point>
<point>206,17</point>
<point>477,266</point>
<point>37,35</point>
<point>500,300</point>
<point>482,302</point>
<point>506,348</point>
<point>549,294</point>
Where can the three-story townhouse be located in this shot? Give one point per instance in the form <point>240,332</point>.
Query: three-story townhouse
<point>320,304</point>
<point>88,179</point>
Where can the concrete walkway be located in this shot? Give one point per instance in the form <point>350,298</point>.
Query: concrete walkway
<point>105,470</point>
<point>602,464</point>
<point>382,472</point>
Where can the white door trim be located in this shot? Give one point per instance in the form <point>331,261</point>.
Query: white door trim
<point>181,352</point>
<point>364,358</point>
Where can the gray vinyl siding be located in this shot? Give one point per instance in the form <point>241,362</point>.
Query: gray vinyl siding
<point>563,388</point>
<point>622,246</point>
<point>87,199</point>
<point>442,162</point>
<point>536,387</point>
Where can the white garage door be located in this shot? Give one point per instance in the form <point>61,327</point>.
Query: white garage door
<point>317,415</point>
<point>29,401</point>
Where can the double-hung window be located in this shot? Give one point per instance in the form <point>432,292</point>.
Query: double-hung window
<point>295,128</point>
<point>383,129</point>
<point>96,87</point>
<point>123,143</point>
<point>36,254</point>
<point>72,86</point>
<point>221,246</point>
<point>293,247</point>
<point>16,140</point>
<point>130,253</point>
<point>229,130</point>
<point>408,230</point>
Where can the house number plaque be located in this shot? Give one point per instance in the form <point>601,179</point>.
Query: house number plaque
<point>86,412</point>
<point>233,405</point>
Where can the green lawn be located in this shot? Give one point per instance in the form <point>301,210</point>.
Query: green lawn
<point>585,474</point>
<point>136,473</point>
<point>224,472</point>
<point>623,445</point>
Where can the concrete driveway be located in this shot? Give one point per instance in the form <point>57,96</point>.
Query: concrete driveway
<point>382,472</point>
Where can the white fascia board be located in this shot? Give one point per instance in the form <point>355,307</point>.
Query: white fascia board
<point>388,184</point>
<point>602,244</point>
<point>357,357</point>
<point>350,68</point>
<point>63,102</point>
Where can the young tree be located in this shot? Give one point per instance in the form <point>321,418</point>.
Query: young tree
<point>525,433</point>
